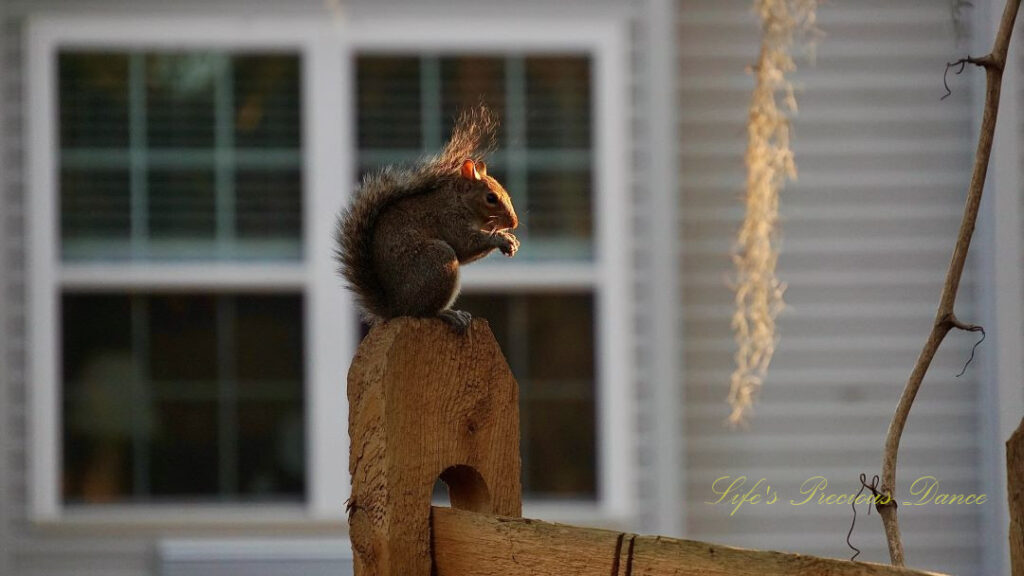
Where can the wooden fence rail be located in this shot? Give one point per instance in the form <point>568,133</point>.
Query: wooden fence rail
<point>471,544</point>
<point>425,403</point>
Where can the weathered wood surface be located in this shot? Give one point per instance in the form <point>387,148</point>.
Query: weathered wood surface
<point>1015,493</point>
<point>423,400</point>
<point>469,544</point>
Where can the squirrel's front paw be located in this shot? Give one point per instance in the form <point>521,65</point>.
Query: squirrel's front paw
<point>459,320</point>
<point>509,245</point>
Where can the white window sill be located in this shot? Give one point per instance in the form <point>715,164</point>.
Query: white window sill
<point>274,519</point>
<point>194,518</point>
<point>255,557</point>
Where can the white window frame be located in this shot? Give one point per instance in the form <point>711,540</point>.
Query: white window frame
<point>327,50</point>
<point>326,308</point>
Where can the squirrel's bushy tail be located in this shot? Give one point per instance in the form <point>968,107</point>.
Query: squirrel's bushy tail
<point>474,135</point>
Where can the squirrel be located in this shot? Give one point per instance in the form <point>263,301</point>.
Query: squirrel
<point>400,242</point>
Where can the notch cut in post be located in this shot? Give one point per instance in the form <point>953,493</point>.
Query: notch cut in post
<point>425,403</point>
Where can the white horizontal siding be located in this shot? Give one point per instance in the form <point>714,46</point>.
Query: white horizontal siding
<point>1018,47</point>
<point>868,229</point>
<point>644,394</point>
<point>5,545</point>
<point>13,406</point>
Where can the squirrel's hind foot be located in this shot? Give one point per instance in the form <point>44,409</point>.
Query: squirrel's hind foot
<point>459,320</point>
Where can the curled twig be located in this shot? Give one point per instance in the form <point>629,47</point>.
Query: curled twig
<point>986,61</point>
<point>945,82</point>
<point>874,494</point>
<point>973,349</point>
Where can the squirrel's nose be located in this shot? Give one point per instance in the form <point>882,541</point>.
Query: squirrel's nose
<point>513,220</point>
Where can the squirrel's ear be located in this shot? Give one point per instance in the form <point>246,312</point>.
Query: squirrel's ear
<point>469,171</point>
<point>481,169</point>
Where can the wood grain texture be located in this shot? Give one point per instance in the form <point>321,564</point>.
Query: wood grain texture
<point>424,401</point>
<point>469,544</point>
<point>1015,494</point>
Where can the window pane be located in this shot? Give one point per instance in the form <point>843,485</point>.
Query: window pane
<point>389,102</point>
<point>548,340</point>
<point>182,343</point>
<point>95,207</point>
<point>269,347</point>
<point>184,451</point>
<point>268,204</point>
<point>561,213</point>
<point>465,82</point>
<point>182,204</point>
<point>183,397</point>
<point>180,99</point>
<point>271,452</point>
<point>180,155</point>
<point>558,98</point>
<point>97,415</point>
<point>266,102</point>
<point>93,100</point>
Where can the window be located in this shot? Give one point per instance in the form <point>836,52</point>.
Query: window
<point>187,156</point>
<point>184,313</point>
<point>195,396</point>
<point>406,106</point>
<point>554,308</point>
<point>188,335</point>
<point>179,155</point>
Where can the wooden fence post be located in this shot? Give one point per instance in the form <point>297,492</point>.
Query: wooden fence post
<point>1015,493</point>
<point>426,403</point>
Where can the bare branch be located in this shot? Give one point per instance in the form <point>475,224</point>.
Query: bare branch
<point>945,319</point>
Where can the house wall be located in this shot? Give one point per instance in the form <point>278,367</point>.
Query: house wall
<point>1017,53</point>
<point>868,228</point>
<point>4,354</point>
<point>1017,48</point>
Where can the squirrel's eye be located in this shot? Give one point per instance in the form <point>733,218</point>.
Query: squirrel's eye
<point>492,198</point>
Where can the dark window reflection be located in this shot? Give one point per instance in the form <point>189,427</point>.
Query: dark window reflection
<point>93,100</point>
<point>182,204</point>
<point>95,204</point>
<point>389,102</point>
<point>266,101</point>
<point>558,100</point>
<point>195,397</point>
<point>465,83</point>
<point>180,91</point>
<point>268,204</point>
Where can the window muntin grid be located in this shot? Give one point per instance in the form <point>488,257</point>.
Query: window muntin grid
<point>179,156</point>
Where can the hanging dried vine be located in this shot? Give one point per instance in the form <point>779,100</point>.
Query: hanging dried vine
<point>770,164</point>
